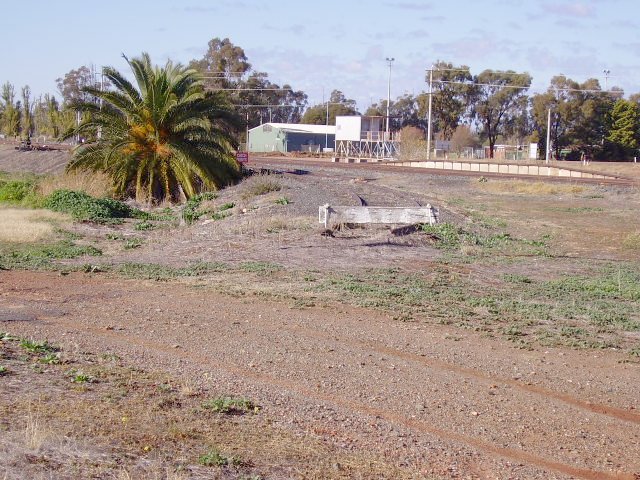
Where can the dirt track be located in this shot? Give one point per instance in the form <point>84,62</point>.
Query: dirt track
<point>436,399</point>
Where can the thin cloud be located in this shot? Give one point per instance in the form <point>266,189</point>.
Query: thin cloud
<point>574,9</point>
<point>410,5</point>
<point>200,9</point>
<point>295,29</point>
<point>433,18</point>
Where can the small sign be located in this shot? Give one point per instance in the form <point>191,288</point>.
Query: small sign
<point>242,157</point>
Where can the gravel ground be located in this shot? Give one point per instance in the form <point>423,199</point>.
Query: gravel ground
<point>432,398</point>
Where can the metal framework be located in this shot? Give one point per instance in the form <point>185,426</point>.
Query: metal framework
<point>379,149</point>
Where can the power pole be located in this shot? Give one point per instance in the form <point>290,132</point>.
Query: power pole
<point>429,117</point>
<point>390,62</point>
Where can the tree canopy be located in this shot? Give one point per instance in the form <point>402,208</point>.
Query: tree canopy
<point>337,105</point>
<point>499,98</point>
<point>226,68</point>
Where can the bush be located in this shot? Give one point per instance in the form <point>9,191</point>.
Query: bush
<point>191,212</point>
<point>86,208</point>
<point>19,192</point>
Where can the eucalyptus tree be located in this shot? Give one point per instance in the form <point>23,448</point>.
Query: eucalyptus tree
<point>338,105</point>
<point>10,111</point>
<point>27,123</point>
<point>223,65</point>
<point>451,93</point>
<point>160,138</point>
<point>226,68</point>
<point>498,99</point>
<point>624,128</point>
<point>72,85</point>
<point>580,116</point>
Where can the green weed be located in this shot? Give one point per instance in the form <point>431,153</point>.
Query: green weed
<point>230,405</point>
<point>452,238</point>
<point>132,243</point>
<point>283,201</point>
<point>19,192</point>
<point>144,226</point>
<point>33,346</point>
<point>154,271</point>
<point>50,359</point>
<point>213,458</point>
<point>84,207</point>
<point>24,256</point>
<point>80,377</point>
<point>191,212</point>
<point>264,268</point>
<point>7,337</point>
<point>220,215</point>
<point>3,370</point>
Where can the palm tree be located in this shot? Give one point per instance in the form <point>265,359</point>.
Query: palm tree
<point>164,138</point>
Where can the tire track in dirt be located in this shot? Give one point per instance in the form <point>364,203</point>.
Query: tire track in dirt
<point>613,412</point>
<point>305,392</point>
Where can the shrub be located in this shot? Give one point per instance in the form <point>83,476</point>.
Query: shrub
<point>230,405</point>
<point>213,458</point>
<point>86,208</point>
<point>19,192</point>
<point>191,212</point>
<point>260,186</point>
<point>15,191</point>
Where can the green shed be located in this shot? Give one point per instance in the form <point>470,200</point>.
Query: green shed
<point>291,137</point>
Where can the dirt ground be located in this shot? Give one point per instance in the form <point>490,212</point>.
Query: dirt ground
<point>357,371</point>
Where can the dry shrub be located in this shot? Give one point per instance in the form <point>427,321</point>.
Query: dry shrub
<point>96,184</point>
<point>260,185</point>
<point>35,432</point>
<point>257,226</point>
<point>527,188</point>
<point>413,145</point>
<point>28,225</point>
<point>282,223</point>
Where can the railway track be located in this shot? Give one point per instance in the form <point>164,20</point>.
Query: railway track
<point>294,164</point>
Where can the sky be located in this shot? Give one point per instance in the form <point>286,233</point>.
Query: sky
<point>319,46</point>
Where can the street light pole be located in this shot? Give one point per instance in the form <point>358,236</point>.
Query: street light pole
<point>546,158</point>
<point>429,115</point>
<point>390,62</point>
<point>606,78</point>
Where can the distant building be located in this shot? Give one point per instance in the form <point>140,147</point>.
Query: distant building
<point>291,137</point>
<point>363,137</point>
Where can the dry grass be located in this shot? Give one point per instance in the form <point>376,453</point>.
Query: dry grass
<point>35,432</point>
<point>256,226</point>
<point>527,188</point>
<point>96,184</point>
<point>260,185</point>
<point>144,425</point>
<point>28,226</point>
<point>632,241</point>
<point>624,169</point>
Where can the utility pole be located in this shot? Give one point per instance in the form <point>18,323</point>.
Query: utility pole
<point>390,62</point>
<point>326,124</point>
<point>546,158</point>
<point>606,78</point>
<point>429,117</point>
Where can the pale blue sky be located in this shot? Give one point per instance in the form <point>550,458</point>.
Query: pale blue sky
<point>329,44</point>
